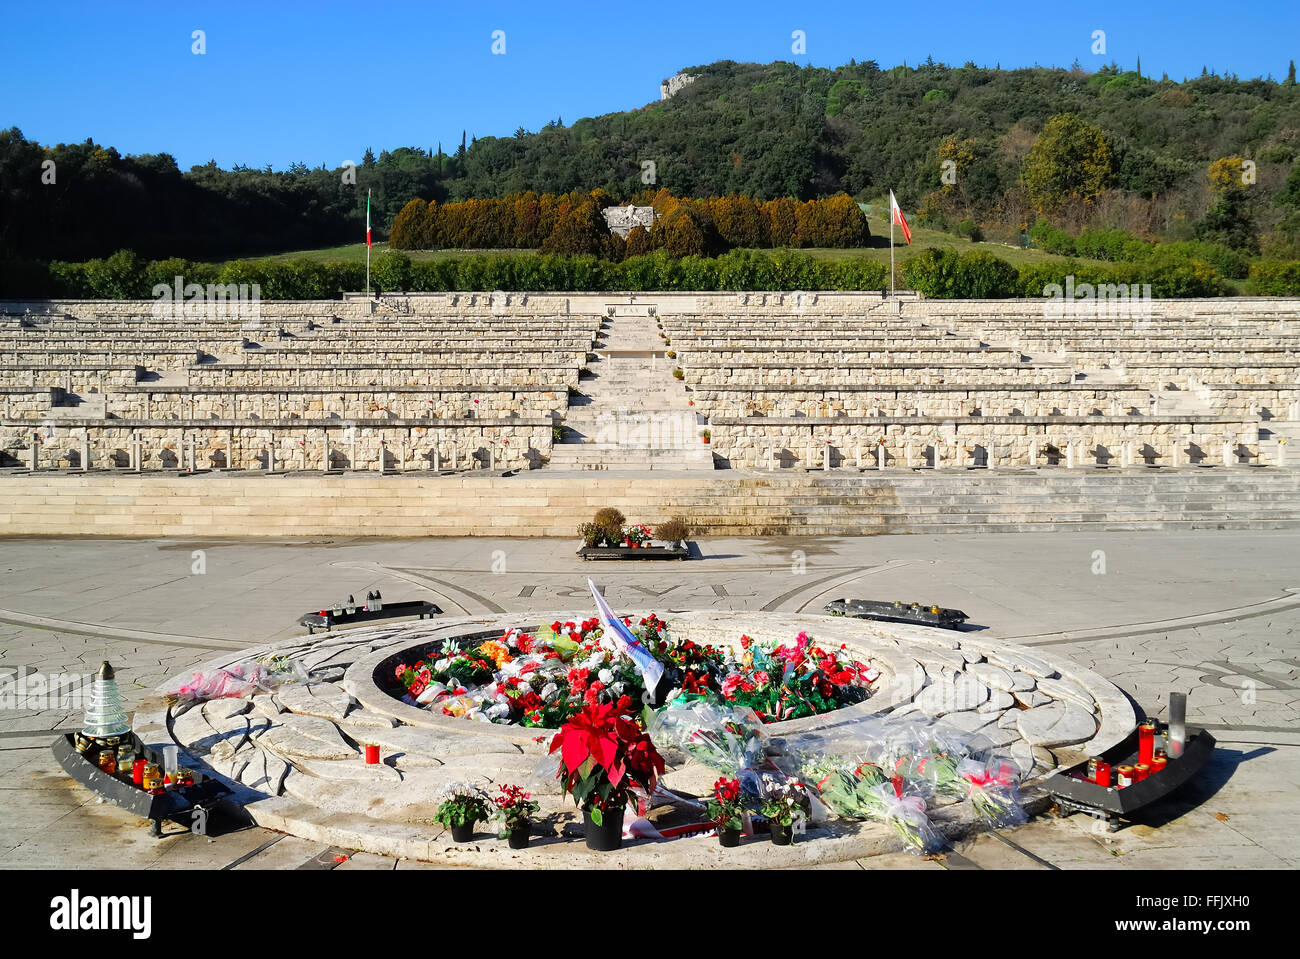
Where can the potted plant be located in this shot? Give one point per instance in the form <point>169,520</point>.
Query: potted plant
<point>678,374</point>
<point>728,811</point>
<point>673,531</point>
<point>605,759</point>
<point>705,436</point>
<point>463,805</point>
<point>610,523</point>
<point>591,534</point>
<point>784,804</point>
<point>671,354</point>
<point>637,536</point>
<point>514,809</point>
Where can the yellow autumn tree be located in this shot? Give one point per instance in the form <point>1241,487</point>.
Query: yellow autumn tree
<point>1225,174</point>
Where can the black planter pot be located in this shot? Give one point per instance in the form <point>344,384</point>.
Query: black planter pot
<point>518,838</point>
<point>729,837</point>
<point>463,833</point>
<point>609,835</point>
<point>781,835</point>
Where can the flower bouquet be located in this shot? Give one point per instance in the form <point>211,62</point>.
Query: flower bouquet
<point>605,759</point>
<point>514,807</point>
<point>728,811</point>
<point>994,796</point>
<point>793,680</point>
<point>463,805</point>
<point>784,803</point>
<point>728,739</point>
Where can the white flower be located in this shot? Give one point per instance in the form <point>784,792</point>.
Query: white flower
<point>452,790</point>
<point>606,676</point>
<point>441,665</point>
<point>550,691</point>
<point>433,691</point>
<point>498,711</point>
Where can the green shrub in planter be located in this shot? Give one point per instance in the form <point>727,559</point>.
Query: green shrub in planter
<point>672,531</point>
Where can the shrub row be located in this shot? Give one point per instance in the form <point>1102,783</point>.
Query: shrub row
<point>933,272</point>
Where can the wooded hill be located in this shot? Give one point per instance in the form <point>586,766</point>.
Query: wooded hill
<point>1133,153</point>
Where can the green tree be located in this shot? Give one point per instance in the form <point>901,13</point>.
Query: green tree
<point>1069,164</point>
<point>391,270</point>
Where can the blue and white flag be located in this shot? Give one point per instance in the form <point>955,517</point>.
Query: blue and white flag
<point>651,669</point>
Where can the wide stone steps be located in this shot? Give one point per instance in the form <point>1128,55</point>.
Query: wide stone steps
<point>606,456</point>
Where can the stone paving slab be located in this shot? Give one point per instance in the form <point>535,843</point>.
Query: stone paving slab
<point>1221,593</point>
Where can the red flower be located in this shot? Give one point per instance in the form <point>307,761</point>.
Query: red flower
<point>591,732</point>
<point>727,790</point>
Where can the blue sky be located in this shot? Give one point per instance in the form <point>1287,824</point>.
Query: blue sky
<point>287,80</point>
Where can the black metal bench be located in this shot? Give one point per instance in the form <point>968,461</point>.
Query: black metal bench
<point>327,619</point>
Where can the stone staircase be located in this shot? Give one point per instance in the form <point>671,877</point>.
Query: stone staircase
<point>631,414</point>
<point>1273,433</point>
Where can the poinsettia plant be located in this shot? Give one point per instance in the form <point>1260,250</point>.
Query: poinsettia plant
<point>514,808</point>
<point>726,807</point>
<point>463,804</point>
<point>605,758</point>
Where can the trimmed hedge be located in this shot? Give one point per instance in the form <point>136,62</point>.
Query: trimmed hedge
<point>938,273</point>
<point>1274,278</point>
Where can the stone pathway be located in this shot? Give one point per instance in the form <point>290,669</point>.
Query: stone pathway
<point>117,599</point>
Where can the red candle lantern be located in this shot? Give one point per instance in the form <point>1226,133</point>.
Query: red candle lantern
<point>1141,771</point>
<point>1103,773</point>
<point>137,771</point>
<point>1146,741</point>
<point>372,754</point>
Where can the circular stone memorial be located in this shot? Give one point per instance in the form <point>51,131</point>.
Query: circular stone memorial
<point>295,756</point>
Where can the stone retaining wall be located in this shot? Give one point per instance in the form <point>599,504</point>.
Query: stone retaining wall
<point>731,503</point>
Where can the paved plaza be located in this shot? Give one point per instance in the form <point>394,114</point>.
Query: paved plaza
<point>1213,614</point>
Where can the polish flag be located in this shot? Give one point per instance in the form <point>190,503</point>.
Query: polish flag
<point>896,216</point>
<point>368,219</point>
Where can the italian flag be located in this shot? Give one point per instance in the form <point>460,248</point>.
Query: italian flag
<point>895,215</point>
<point>368,218</point>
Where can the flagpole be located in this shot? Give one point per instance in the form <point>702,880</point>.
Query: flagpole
<point>891,250</point>
<point>891,240</point>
